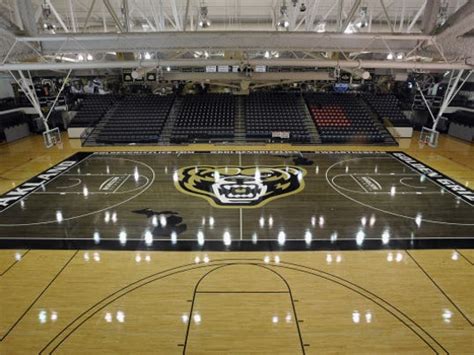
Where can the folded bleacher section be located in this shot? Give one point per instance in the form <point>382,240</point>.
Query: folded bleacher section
<point>13,125</point>
<point>204,118</point>
<point>91,109</point>
<point>461,125</point>
<point>135,120</point>
<point>342,118</point>
<point>387,107</point>
<point>269,113</point>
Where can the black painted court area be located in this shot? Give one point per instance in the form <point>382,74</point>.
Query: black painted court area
<point>238,201</point>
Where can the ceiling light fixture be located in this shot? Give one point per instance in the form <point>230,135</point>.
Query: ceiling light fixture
<point>283,20</point>
<point>204,21</point>
<point>321,27</point>
<point>362,22</point>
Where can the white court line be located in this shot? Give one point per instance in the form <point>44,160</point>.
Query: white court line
<point>383,174</point>
<point>46,183</point>
<point>123,182</point>
<point>93,192</point>
<point>111,175</point>
<point>358,182</point>
<point>411,186</point>
<point>78,182</point>
<point>145,188</point>
<point>420,174</point>
<point>70,193</point>
<point>378,209</point>
<point>380,192</point>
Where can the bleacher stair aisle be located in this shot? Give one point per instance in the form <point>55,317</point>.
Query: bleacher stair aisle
<point>309,123</point>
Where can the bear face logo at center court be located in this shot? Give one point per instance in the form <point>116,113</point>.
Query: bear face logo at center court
<point>240,186</point>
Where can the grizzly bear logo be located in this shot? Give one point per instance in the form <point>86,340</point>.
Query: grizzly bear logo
<point>240,186</point>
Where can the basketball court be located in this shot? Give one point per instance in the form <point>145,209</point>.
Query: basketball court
<point>240,201</point>
<point>301,221</point>
<point>236,177</point>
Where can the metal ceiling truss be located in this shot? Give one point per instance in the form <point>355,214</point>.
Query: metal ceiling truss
<point>235,40</point>
<point>414,51</point>
<point>165,43</point>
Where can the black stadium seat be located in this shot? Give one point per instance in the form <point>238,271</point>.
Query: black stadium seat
<point>205,118</point>
<point>136,119</point>
<point>341,118</point>
<point>387,106</point>
<point>266,113</point>
<point>91,109</point>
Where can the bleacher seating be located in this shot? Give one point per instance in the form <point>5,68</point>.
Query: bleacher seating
<point>91,109</point>
<point>136,119</point>
<point>7,103</point>
<point>259,117</point>
<point>461,125</point>
<point>342,118</point>
<point>266,113</point>
<point>387,106</point>
<point>209,117</point>
<point>11,121</point>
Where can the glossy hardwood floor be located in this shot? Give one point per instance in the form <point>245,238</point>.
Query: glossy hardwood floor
<point>27,157</point>
<point>329,302</point>
<point>91,302</point>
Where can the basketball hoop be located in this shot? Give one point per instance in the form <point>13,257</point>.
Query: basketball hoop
<point>52,137</point>
<point>429,137</point>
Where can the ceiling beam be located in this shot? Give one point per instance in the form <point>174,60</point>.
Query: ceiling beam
<point>126,14</point>
<point>27,16</point>
<point>309,63</point>
<point>340,10</point>
<point>417,16</point>
<point>229,40</point>
<point>72,16</point>
<point>452,40</point>
<point>57,15</point>
<point>89,12</point>
<point>387,17</point>
<point>430,16</point>
<point>459,16</point>
<point>112,13</point>
<point>351,15</point>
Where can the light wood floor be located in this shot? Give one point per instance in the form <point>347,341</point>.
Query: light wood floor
<point>138,302</point>
<point>103,302</point>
